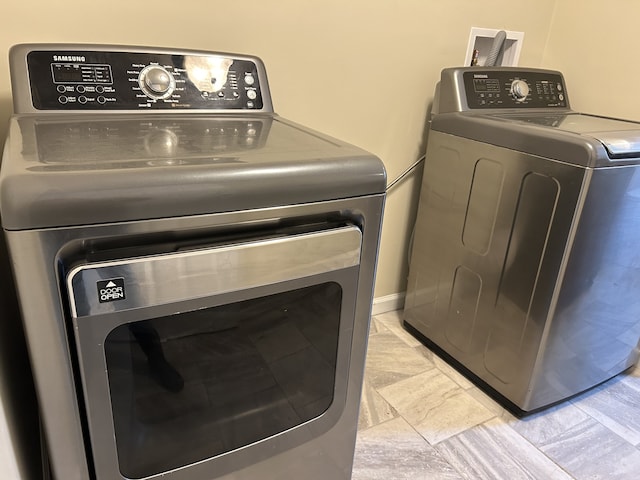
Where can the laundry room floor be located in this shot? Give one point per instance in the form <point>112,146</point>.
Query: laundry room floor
<point>420,419</point>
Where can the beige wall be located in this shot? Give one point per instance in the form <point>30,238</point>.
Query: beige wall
<point>595,44</point>
<point>359,70</point>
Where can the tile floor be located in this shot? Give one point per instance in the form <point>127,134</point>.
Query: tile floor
<point>420,419</point>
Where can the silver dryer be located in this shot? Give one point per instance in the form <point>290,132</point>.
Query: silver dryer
<point>195,273</point>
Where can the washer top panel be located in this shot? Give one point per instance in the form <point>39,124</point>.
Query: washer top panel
<point>90,78</point>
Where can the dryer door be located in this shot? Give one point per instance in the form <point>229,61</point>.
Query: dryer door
<point>197,363</point>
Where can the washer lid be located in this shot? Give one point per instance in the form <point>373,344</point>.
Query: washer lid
<point>575,138</point>
<point>621,138</point>
<point>623,144</point>
<point>81,170</point>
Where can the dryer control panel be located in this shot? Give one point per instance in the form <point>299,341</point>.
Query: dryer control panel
<point>99,78</point>
<point>511,88</point>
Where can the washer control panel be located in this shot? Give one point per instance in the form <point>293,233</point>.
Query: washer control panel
<point>154,79</point>
<point>517,88</point>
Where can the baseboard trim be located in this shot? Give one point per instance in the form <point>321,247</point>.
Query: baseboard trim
<point>388,303</point>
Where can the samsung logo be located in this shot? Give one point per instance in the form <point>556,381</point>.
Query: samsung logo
<point>480,75</point>
<point>69,58</point>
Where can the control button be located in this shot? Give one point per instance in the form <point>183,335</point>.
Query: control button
<point>101,100</point>
<point>519,90</point>
<point>61,89</point>
<point>80,89</point>
<point>62,99</point>
<point>561,97</point>
<point>221,94</point>
<point>82,99</point>
<point>249,79</point>
<point>156,82</point>
<point>250,105</point>
<point>99,89</point>
<point>559,87</point>
<point>252,94</point>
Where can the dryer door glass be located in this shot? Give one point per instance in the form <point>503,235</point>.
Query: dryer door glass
<point>198,384</point>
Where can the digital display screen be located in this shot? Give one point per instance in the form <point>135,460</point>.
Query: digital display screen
<point>66,74</point>
<point>81,73</point>
<point>486,85</point>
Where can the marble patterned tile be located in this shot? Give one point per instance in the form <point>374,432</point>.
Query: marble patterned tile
<point>590,451</point>
<point>373,408</point>
<point>435,405</point>
<point>631,377</point>
<point>376,326</point>
<point>443,366</point>
<point>488,403</point>
<point>390,360</point>
<point>494,451</point>
<point>451,372</point>
<point>393,321</point>
<point>615,405</point>
<point>394,451</point>
<point>541,427</point>
<point>421,419</point>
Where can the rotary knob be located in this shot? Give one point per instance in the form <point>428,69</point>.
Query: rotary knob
<point>519,90</point>
<point>156,82</point>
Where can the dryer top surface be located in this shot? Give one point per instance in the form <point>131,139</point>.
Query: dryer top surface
<point>86,169</point>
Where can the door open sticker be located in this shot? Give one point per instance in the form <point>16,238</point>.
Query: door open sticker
<point>111,290</point>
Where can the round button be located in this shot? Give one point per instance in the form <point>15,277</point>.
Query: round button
<point>61,88</point>
<point>249,79</point>
<point>82,99</point>
<point>80,89</point>
<point>251,94</point>
<point>101,100</point>
<point>519,90</point>
<point>62,99</point>
<point>99,89</point>
<point>156,82</point>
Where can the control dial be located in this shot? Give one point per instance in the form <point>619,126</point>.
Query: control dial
<point>156,82</point>
<point>519,90</point>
